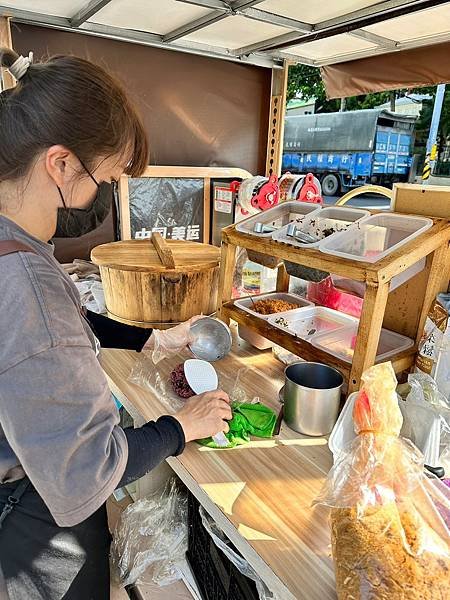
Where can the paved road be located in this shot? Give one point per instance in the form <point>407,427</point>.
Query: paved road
<point>369,201</point>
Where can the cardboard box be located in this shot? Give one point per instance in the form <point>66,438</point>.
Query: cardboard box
<point>427,200</point>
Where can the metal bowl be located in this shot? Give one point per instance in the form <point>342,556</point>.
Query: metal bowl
<point>211,339</point>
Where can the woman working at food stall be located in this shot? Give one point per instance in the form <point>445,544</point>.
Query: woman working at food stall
<point>67,131</point>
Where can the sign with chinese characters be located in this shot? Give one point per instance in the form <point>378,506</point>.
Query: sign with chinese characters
<point>173,207</point>
<point>189,233</point>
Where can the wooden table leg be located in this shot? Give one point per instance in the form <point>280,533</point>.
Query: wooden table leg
<point>227,265</point>
<point>437,282</point>
<point>368,337</point>
<point>282,279</point>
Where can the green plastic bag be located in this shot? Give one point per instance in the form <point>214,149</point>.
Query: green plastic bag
<point>248,419</point>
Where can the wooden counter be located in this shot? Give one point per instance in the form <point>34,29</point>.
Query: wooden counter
<point>260,494</point>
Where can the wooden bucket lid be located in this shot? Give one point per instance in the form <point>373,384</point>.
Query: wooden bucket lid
<point>142,255</point>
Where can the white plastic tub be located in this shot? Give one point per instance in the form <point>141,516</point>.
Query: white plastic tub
<point>310,321</point>
<point>375,237</point>
<point>253,338</point>
<point>322,224</point>
<point>247,304</point>
<point>343,434</point>
<point>278,216</point>
<point>341,343</point>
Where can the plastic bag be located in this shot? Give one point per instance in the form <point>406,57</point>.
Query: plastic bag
<point>426,418</point>
<point>326,294</point>
<point>433,357</point>
<point>157,379</point>
<point>152,533</point>
<point>221,541</point>
<point>389,537</point>
<point>164,343</point>
<point>92,295</point>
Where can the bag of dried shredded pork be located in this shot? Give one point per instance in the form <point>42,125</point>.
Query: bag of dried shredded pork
<point>389,537</point>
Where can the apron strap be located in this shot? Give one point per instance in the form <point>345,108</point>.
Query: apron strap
<point>14,499</point>
<point>11,246</point>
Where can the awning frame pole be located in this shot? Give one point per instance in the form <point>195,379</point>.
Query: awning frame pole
<point>431,151</point>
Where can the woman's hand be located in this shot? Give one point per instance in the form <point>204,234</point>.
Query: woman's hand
<point>163,343</point>
<point>205,415</point>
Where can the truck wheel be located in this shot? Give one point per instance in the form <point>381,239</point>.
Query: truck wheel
<point>330,185</point>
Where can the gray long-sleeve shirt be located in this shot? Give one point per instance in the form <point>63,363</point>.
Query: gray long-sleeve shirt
<point>58,422</point>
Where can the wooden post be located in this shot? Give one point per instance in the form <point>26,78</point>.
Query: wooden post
<point>368,337</point>
<point>227,264</point>
<point>282,279</point>
<point>276,120</point>
<point>7,80</point>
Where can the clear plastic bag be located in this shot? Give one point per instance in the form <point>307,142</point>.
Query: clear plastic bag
<point>426,417</point>
<point>221,541</point>
<point>157,379</point>
<point>389,537</point>
<point>152,533</point>
<point>166,342</point>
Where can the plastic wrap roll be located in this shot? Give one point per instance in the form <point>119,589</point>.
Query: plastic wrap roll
<point>246,191</point>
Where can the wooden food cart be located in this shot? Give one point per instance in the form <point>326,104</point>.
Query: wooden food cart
<point>404,310</point>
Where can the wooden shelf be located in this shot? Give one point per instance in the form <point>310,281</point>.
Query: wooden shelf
<point>405,309</point>
<point>401,361</point>
<point>380,272</point>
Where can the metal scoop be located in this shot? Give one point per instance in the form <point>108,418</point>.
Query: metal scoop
<point>262,228</point>
<point>299,235</point>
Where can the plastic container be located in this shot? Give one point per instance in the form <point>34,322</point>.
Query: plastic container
<point>343,434</point>
<point>255,339</point>
<point>326,222</point>
<point>277,217</point>
<point>375,237</point>
<point>310,321</point>
<point>341,343</point>
<point>408,274</point>
<point>247,304</point>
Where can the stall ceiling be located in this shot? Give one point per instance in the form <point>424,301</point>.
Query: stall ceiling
<point>261,32</point>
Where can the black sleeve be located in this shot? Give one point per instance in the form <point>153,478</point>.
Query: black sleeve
<point>149,445</point>
<point>112,334</point>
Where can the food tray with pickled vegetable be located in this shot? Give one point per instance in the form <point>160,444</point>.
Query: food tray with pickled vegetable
<point>319,225</point>
<point>310,321</point>
<point>265,223</point>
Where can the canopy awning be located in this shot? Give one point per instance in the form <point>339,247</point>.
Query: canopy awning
<point>260,32</point>
<point>407,69</point>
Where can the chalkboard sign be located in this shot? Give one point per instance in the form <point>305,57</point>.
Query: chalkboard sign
<point>174,201</point>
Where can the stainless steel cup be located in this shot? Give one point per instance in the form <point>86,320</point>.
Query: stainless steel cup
<point>312,395</point>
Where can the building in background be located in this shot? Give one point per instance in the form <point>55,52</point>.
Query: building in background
<point>299,106</point>
<point>407,105</point>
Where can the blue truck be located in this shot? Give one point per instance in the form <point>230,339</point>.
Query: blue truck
<point>350,149</point>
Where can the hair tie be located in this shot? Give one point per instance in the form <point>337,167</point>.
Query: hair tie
<point>21,66</point>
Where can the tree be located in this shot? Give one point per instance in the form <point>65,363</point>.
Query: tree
<point>305,81</point>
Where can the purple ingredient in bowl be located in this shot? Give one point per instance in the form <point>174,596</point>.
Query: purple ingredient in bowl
<point>180,384</point>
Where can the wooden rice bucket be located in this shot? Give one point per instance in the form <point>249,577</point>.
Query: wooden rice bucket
<point>158,283</point>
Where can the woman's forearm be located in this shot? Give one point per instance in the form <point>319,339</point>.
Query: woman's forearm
<point>113,334</point>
